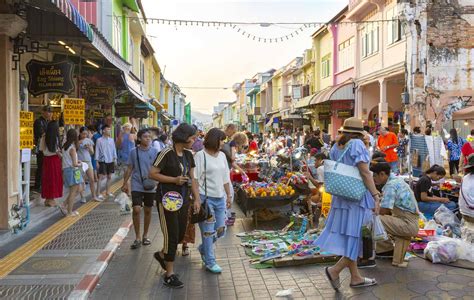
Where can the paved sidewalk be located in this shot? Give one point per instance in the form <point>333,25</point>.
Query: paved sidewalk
<point>54,271</point>
<point>134,274</point>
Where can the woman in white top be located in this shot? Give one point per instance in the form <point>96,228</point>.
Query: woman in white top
<point>84,154</point>
<point>71,171</point>
<point>466,201</point>
<point>212,174</point>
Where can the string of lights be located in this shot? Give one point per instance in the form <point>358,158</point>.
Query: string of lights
<point>238,26</point>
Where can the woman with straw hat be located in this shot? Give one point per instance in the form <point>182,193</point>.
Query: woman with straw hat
<point>342,233</point>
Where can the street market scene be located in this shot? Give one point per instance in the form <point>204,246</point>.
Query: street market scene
<point>234,149</point>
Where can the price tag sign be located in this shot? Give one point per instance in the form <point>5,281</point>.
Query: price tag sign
<point>73,111</point>
<point>26,130</point>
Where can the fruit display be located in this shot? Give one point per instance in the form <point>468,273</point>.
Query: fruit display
<point>447,187</point>
<point>263,189</point>
<point>294,178</point>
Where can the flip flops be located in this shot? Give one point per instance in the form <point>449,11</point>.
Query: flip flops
<point>367,282</point>
<point>335,283</point>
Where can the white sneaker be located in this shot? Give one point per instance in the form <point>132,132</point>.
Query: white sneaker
<point>111,195</point>
<point>83,200</point>
<point>98,199</point>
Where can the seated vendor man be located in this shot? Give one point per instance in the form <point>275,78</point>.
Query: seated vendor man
<point>398,213</point>
<point>314,202</point>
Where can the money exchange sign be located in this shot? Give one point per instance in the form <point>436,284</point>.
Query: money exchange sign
<point>73,111</point>
<point>26,130</point>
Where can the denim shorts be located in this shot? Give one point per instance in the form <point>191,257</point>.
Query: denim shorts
<point>72,176</point>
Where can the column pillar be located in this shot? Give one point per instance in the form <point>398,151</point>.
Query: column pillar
<point>383,105</point>
<point>358,103</point>
<point>10,26</point>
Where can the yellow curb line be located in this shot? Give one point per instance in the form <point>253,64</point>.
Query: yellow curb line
<point>27,250</point>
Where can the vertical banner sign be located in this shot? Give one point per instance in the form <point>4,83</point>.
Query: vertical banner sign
<point>73,111</point>
<point>26,130</point>
<point>187,113</point>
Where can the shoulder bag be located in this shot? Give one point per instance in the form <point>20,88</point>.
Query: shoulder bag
<point>343,180</point>
<point>148,184</point>
<point>204,213</point>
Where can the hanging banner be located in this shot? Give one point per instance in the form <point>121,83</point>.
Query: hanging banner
<point>26,130</point>
<point>73,111</point>
<point>50,77</point>
<point>100,95</point>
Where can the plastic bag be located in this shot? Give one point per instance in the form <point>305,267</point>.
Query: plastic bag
<point>444,216</point>
<point>378,231</point>
<point>124,202</point>
<point>448,250</point>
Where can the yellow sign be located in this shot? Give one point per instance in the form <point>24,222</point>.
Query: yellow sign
<point>73,111</point>
<point>26,130</point>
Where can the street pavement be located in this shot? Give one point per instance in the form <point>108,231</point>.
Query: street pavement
<point>134,274</point>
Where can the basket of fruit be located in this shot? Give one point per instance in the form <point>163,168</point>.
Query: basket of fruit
<point>259,195</point>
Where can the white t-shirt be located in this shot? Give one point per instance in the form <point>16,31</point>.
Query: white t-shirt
<point>217,173</point>
<point>466,196</point>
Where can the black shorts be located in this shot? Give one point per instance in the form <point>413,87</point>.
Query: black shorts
<point>106,168</point>
<point>140,198</point>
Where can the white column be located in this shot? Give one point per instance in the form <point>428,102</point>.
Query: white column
<point>383,105</point>
<point>358,103</point>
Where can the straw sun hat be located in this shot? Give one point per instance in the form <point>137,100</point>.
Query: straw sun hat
<point>353,125</point>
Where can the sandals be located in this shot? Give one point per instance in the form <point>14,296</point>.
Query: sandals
<point>335,283</point>
<point>62,209</point>
<point>136,244</point>
<point>367,282</point>
<point>146,241</point>
<point>161,260</point>
<point>185,251</point>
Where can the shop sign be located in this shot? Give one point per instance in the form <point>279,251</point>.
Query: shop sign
<point>100,95</point>
<point>74,110</point>
<point>345,113</point>
<point>342,104</point>
<point>326,108</point>
<point>125,109</point>
<point>141,113</point>
<point>50,77</point>
<point>324,115</point>
<point>26,130</point>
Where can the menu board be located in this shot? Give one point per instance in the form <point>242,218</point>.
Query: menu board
<point>26,130</point>
<point>73,111</point>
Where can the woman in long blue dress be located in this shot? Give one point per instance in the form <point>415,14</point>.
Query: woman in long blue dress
<point>342,234</point>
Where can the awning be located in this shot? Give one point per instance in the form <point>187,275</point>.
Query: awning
<point>269,123</point>
<point>72,14</point>
<point>145,105</point>
<point>464,114</point>
<point>157,104</point>
<point>103,46</point>
<point>303,102</point>
<point>134,86</point>
<point>343,91</point>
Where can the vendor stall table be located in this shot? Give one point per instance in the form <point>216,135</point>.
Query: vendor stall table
<point>251,204</point>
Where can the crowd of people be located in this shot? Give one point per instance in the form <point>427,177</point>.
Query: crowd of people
<point>188,178</point>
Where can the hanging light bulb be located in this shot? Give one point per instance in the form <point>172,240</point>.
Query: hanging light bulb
<point>466,123</point>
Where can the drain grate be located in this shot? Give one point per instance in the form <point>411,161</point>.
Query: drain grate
<point>35,291</point>
<point>91,232</point>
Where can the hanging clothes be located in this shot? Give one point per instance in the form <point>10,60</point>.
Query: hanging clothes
<point>418,146</point>
<point>436,150</point>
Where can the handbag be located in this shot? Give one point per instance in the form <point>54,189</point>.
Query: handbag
<point>343,180</point>
<point>204,212</point>
<point>148,184</point>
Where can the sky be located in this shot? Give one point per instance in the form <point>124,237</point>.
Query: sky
<point>192,56</point>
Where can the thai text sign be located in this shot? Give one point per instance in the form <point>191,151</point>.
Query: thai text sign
<point>73,111</point>
<point>26,130</point>
<point>100,95</point>
<point>50,77</point>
